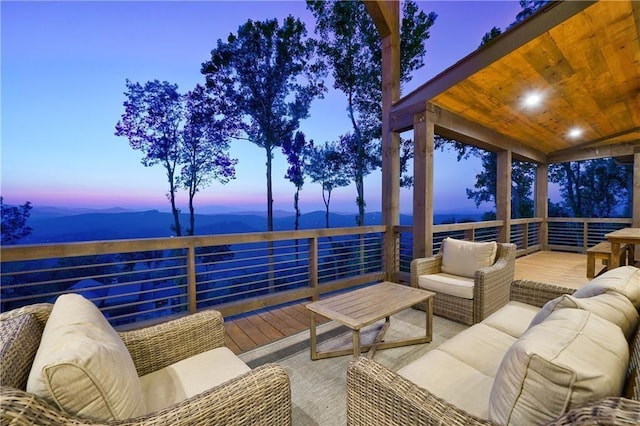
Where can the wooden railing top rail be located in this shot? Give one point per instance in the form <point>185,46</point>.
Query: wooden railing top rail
<point>591,219</point>
<point>56,250</point>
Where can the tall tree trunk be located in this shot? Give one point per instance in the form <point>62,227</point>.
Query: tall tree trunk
<point>326,200</point>
<point>360,163</point>
<point>269,190</point>
<point>172,199</point>
<point>296,206</point>
<point>192,217</point>
<point>270,219</point>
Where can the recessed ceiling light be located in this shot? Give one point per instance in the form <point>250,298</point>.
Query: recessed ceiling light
<point>575,133</point>
<point>532,100</point>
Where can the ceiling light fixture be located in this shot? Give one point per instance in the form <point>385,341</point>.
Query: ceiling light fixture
<point>575,133</point>
<point>532,100</point>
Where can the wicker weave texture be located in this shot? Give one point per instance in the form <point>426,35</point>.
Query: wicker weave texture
<point>259,397</point>
<point>378,396</point>
<point>490,291</point>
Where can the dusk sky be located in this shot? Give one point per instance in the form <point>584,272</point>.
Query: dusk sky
<point>64,66</point>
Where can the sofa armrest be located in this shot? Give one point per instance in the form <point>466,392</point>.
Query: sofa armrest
<point>536,293</point>
<point>608,411</point>
<point>423,266</point>
<point>158,346</point>
<point>378,396</point>
<point>261,396</point>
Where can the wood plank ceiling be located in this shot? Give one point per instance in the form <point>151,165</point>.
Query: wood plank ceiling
<point>586,71</point>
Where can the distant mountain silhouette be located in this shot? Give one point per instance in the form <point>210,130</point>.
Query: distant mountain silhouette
<point>56,226</point>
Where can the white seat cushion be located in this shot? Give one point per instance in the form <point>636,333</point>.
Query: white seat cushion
<point>451,379</point>
<point>82,365</point>
<point>190,377</point>
<point>452,285</point>
<point>462,369</point>
<point>480,346</point>
<point>513,318</point>
<point>571,358</point>
<point>464,258</point>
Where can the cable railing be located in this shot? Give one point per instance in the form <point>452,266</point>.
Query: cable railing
<point>142,280</point>
<point>133,281</point>
<point>578,234</point>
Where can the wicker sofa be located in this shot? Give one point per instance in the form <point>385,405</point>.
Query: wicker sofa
<point>451,385</point>
<point>474,286</point>
<point>259,396</point>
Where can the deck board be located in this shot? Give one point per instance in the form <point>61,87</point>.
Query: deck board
<point>249,332</point>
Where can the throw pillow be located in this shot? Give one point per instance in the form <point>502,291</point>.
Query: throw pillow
<point>19,340</point>
<point>571,358</point>
<point>82,365</point>
<point>624,280</point>
<point>464,258</point>
<point>612,306</point>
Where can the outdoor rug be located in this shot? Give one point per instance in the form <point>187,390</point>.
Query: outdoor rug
<point>318,388</point>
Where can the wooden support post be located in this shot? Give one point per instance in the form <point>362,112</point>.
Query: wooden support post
<point>313,267</point>
<point>389,21</point>
<point>541,203</point>
<point>423,146</point>
<point>503,194</point>
<point>636,198</point>
<point>191,280</point>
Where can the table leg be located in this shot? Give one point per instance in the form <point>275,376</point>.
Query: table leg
<point>312,330</point>
<point>615,255</point>
<point>356,343</point>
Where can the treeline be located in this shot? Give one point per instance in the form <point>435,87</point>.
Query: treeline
<point>258,86</point>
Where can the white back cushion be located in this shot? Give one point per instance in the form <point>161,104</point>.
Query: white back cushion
<point>571,358</point>
<point>82,365</point>
<point>610,305</point>
<point>464,258</point>
<point>624,280</point>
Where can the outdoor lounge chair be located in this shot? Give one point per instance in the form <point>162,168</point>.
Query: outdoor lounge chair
<point>471,280</point>
<point>259,396</point>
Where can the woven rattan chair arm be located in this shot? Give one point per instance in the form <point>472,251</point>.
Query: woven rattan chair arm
<point>40,311</point>
<point>424,265</point>
<point>259,397</point>
<point>378,396</point>
<point>158,346</point>
<point>21,408</point>
<point>608,411</point>
<point>536,293</point>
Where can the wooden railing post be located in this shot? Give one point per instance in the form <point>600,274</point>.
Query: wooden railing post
<point>585,236</point>
<point>313,266</point>
<point>191,279</point>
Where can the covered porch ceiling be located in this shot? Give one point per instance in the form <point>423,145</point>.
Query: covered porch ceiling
<point>581,58</point>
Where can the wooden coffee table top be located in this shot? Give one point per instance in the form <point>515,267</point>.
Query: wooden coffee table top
<point>364,306</point>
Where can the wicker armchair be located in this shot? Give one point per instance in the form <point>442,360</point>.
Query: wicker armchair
<point>261,396</point>
<point>490,290</point>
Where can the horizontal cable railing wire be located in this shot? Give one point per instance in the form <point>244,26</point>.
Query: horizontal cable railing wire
<point>139,280</point>
<point>578,234</point>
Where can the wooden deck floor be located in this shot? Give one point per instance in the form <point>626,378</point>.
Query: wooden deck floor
<point>246,333</point>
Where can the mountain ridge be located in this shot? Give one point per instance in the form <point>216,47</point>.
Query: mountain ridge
<point>114,225</point>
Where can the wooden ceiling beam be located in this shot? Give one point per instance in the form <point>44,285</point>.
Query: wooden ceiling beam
<point>591,153</point>
<point>383,15</point>
<point>453,126</point>
<point>538,24</point>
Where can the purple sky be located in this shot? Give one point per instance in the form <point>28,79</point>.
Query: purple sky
<point>64,66</point>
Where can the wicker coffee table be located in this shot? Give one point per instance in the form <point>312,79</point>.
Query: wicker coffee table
<point>362,307</point>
